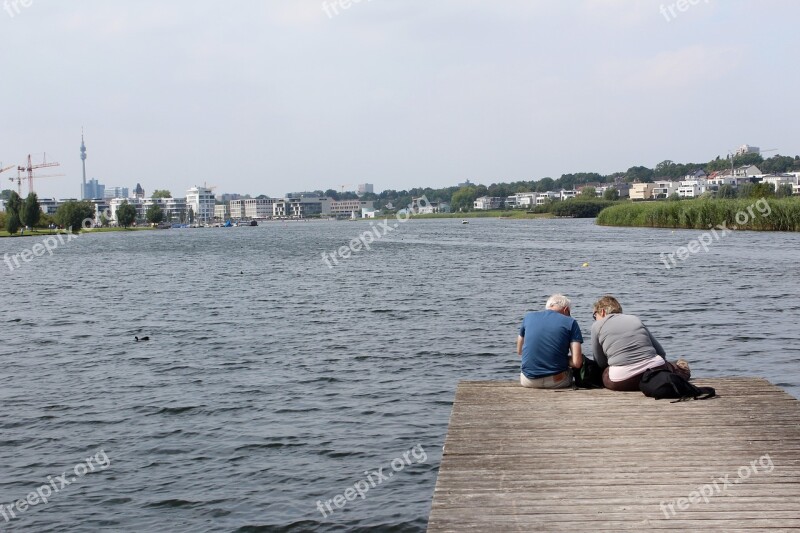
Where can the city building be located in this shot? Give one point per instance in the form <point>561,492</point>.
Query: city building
<point>521,200</point>
<point>116,192</point>
<point>663,189</point>
<point>260,208</point>
<point>221,212</point>
<point>567,194</point>
<point>93,190</point>
<point>83,163</point>
<point>365,188</point>
<point>49,206</point>
<point>201,201</point>
<point>488,202</point>
<point>692,188</point>
<point>346,208</point>
<point>642,191</point>
<point>747,171</point>
<point>138,192</point>
<point>543,198</point>
<point>236,209</point>
<point>747,149</point>
<point>466,184</point>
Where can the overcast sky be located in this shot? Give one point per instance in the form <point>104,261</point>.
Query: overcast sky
<point>267,97</point>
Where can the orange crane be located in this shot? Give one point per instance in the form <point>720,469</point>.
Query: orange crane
<point>30,168</point>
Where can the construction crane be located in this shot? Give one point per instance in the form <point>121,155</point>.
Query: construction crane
<point>30,168</point>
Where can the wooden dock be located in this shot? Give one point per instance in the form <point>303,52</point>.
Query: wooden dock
<point>518,459</point>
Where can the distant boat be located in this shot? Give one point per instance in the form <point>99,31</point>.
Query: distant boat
<point>228,224</point>
<point>253,223</point>
<point>465,221</point>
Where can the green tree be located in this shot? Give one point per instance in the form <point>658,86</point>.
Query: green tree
<point>126,214</point>
<point>154,214</point>
<point>31,212</point>
<point>726,191</point>
<point>464,199</point>
<point>611,194</point>
<point>641,174</point>
<point>72,215</point>
<point>161,193</point>
<point>13,207</point>
<point>545,184</point>
<point>675,197</point>
<point>6,194</point>
<point>191,215</point>
<point>589,192</point>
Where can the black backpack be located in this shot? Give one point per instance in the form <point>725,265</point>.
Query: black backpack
<point>590,375</point>
<point>660,383</point>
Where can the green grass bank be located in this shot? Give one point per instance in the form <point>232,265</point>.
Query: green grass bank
<point>765,214</point>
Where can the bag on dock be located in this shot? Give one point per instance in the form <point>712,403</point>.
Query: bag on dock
<point>660,383</point>
<point>590,375</point>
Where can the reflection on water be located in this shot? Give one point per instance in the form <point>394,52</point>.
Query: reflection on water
<point>271,381</point>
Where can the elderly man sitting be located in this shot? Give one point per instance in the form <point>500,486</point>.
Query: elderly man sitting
<point>546,340</point>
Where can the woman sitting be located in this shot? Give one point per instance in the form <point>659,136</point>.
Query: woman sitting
<point>625,348</point>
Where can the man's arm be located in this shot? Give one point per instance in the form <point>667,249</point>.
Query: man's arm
<point>577,355</point>
<point>520,340</point>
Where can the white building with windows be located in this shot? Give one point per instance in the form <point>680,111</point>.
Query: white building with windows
<point>692,188</point>
<point>521,200</point>
<point>567,194</point>
<point>258,208</point>
<point>642,191</point>
<point>543,198</point>
<point>201,201</point>
<point>664,189</point>
<point>488,202</point>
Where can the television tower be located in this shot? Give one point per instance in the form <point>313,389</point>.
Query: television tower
<point>83,160</point>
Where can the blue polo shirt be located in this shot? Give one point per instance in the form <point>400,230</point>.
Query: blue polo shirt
<point>548,335</point>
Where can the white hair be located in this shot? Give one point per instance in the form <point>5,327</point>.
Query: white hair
<point>558,301</point>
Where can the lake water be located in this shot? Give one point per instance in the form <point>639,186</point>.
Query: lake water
<point>271,381</point>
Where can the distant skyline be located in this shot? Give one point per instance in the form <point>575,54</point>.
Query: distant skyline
<point>266,97</point>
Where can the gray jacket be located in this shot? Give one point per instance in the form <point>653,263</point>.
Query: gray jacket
<point>623,340</point>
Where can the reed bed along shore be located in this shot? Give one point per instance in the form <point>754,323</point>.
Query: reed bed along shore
<point>764,214</point>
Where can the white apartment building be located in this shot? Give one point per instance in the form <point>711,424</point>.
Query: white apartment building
<point>567,194</point>
<point>544,197</point>
<point>260,208</point>
<point>664,189</point>
<point>236,209</point>
<point>521,200</point>
<point>221,212</point>
<point>347,208</point>
<point>692,188</point>
<point>488,202</point>
<point>201,201</point>
<point>778,180</point>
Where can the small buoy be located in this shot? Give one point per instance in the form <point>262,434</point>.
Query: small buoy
<point>585,265</point>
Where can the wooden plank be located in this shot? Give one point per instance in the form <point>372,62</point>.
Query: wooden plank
<point>518,459</point>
